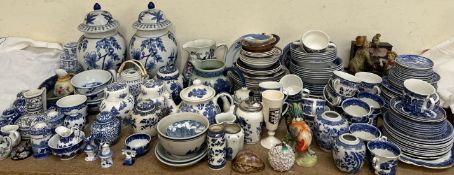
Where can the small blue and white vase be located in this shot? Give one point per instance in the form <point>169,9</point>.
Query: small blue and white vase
<point>40,134</point>
<point>173,81</point>
<point>68,59</point>
<point>9,116</point>
<point>101,46</point>
<point>349,153</point>
<point>75,120</point>
<point>153,44</point>
<point>328,126</point>
<point>216,147</point>
<point>145,117</point>
<point>106,128</point>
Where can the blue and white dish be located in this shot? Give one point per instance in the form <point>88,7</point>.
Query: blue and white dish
<point>139,143</point>
<point>234,51</point>
<point>444,162</point>
<point>185,128</point>
<point>73,104</point>
<point>415,62</point>
<point>356,110</point>
<point>67,152</point>
<point>384,157</point>
<point>374,101</point>
<point>169,159</point>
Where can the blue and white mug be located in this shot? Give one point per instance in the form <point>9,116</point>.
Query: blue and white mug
<point>345,84</point>
<point>419,96</point>
<point>384,156</point>
<point>313,106</point>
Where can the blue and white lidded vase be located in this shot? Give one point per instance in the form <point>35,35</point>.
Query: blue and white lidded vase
<point>250,118</point>
<point>173,81</point>
<point>101,46</point>
<point>145,117</point>
<point>118,101</point>
<point>201,99</point>
<point>328,126</point>
<point>75,120</point>
<point>40,134</point>
<point>216,147</point>
<point>234,137</point>
<point>153,44</point>
<point>106,128</point>
<point>349,153</point>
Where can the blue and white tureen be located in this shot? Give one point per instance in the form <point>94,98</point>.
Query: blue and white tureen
<point>201,99</point>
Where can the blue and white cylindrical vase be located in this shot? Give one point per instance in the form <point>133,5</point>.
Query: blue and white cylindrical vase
<point>40,134</point>
<point>216,147</point>
<point>349,153</point>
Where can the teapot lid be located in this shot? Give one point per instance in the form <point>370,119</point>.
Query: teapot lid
<point>104,117</point>
<point>98,21</point>
<point>145,105</point>
<point>197,92</point>
<point>167,69</point>
<point>151,19</point>
<point>250,105</point>
<point>116,86</point>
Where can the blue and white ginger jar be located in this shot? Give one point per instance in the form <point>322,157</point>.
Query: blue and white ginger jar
<point>349,153</point>
<point>106,128</point>
<point>328,126</point>
<point>146,116</point>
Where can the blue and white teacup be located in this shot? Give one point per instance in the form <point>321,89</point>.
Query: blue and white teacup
<point>419,96</point>
<point>375,101</point>
<point>345,84</point>
<point>73,104</point>
<point>356,110</point>
<point>365,132</point>
<point>313,106</point>
<point>370,82</point>
<point>384,156</point>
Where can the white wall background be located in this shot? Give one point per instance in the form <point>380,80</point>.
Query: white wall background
<point>410,25</point>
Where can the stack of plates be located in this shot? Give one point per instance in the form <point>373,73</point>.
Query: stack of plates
<point>179,161</point>
<point>407,67</point>
<point>425,139</point>
<point>257,67</point>
<point>315,69</point>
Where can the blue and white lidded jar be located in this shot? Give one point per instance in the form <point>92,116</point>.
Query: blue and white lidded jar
<point>101,46</point>
<point>349,153</point>
<point>153,44</point>
<point>250,118</point>
<point>106,128</point>
<point>145,117</point>
<point>133,77</point>
<point>75,120</point>
<point>40,134</point>
<point>328,126</point>
<point>216,147</point>
<point>118,101</point>
<point>173,81</point>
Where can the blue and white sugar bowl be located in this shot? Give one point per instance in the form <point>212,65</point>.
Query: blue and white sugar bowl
<point>349,153</point>
<point>356,110</point>
<point>328,126</point>
<point>106,128</point>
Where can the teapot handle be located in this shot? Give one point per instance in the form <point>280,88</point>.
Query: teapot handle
<point>135,63</point>
<point>215,99</point>
<point>237,71</point>
<point>114,74</point>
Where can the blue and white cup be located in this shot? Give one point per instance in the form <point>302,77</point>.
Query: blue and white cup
<point>356,110</point>
<point>72,104</point>
<point>365,132</point>
<point>419,96</point>
<point>345,84</point>
<point>375,101</point>
<point>384,156</point>
<point>315,41</point>
<point>370,82</point>
<point>216,147</point>
<point>313,106</point>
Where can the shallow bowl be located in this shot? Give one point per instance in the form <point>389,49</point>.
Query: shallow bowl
<point>138,142</point>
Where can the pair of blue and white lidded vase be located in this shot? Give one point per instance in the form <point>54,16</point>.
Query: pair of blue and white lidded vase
<point>153,44</point>
<point>101,46</point>
<point>106,128</point>
<point>216,147</point>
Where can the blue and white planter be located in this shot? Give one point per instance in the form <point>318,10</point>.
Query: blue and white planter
<point>349,153</point>
<point>153,44</point>
<point>216,147</point>
<point>328,126</point>
<point>384,157</point>
<point>173,81</point>
<point>106,128</point>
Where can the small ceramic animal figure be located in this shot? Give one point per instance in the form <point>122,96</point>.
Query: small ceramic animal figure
<point>106,156</point>
<point>362,56</point>
<point>391,61</point>
<point>129,156</point>
<point>302,135</point>
<point>376,40</point>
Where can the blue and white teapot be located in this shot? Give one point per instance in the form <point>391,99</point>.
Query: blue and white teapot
<point>202,99</point>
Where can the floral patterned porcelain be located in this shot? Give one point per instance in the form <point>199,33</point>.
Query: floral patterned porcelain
<point>250,118</point>
<point>349,153</point>
<point>153,44</point>
<point>118,101</point>
<point>173,81</point>
<point>329,125</point>
<point>101,46</point>
<point>216,147</point>
<point>146,116</point>
<point>201,99</point>
<point>133,77</point>
<point>106,128</point>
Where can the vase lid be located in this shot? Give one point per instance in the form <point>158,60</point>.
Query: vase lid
<point>104,117</point>
<point>98,21</point>
<point>250,105</point>
<point>151,83</point>
<point>151,19</point>
<point>145,105</point>
<point>167,69</point>
<point>197,92</point>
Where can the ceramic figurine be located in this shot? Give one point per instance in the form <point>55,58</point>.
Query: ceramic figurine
<point>376,40</point>
<point>247,162</point>
<point>35,101</point>
<point>154,90</point>
<point>145,117</point>
<point>129,156</point>
<point>391,60</point>
<point>68,137</point>
<point>281,157</point>
<point>153,44</point>
<point>201,99</point>
<point>250,118</point>
<point>40,134</point>
<point>91,149</point>
<point>133,77</point>
<point>173,81</point>
<point>118,101</point>
<point>5,147</point>
<point>216,147</point>
<point>362,56</point>
<point>63,86</point>
<point>75,120</point>
<point>349,153</point>
<point>328,127</point>
<point>234,137</point>
<point>302,134</point>
<point>106,128</point>
<point>101,46</point>
<point>106,156</point>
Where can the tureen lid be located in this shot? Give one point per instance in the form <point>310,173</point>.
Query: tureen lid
<point>151,19</point>
<point>98,21</point>
<point>250,106</point>
<point>197,92</point>
<point>104,117</point>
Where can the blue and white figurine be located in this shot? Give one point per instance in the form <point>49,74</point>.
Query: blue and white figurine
<point>328,126</point>
<point>106,156</point>
<point>40,134</point>
<point>91,149</point>
<point>202,99</point>
<point>173,81</point>
<point>106,128</point>
<point>216,147</point>
<point>118,101</point>
<point>349,153</point>
<point>129,156</point>
<point>154,45</point>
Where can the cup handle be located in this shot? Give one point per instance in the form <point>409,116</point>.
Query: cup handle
<point>223,46</point>
<point>305,93</point>
<point>314,106</point>
<point>383,138</point>
<point>337,101</point>
<point>285,92</point>
<point>432,104</point>
<point>215,99</point>
<point>287,105</point>
<point>377,90</point>
<point>374,163</point>
<point>332,44</point>
<point>335,83</point>
<point>238,73</point>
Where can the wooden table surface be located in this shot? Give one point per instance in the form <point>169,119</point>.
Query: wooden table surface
<point>148,164</point>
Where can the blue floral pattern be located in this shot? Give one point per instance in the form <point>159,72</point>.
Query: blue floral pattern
<point>152,45</point>
<point>222,85</point>
<point>247,129</point>
<point>196,92</point>
<point>107,46</point>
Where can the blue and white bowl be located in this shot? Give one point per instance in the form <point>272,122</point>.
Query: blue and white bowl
<point>370,82</point>
<point>90,81</point>
<point>185,128</point>
<point>364,131</point>
<point>384,157</point>
<point>73,104</point>
<point>67,152</point>
<point>138,142</point>
<point>373,100</point>
<point>356,110</point>
<point>345,84</point>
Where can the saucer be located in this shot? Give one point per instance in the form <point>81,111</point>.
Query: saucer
<point>436,115</point>
<point>444,162</point>
<point>414,62</point>
<point>161,155</point>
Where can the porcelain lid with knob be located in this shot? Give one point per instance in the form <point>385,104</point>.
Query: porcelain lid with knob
<point>104,117</point>
<point>98,21</point>
<point>151,19</point>
<point>197,92</point>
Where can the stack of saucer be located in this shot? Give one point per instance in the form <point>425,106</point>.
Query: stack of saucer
<point>408,67</point>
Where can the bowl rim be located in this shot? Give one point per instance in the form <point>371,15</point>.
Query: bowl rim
<point>205,122</point>
<point>127,140</point>
<point>81,74</point>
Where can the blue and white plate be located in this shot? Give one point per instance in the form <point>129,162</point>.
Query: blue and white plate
<point>164,157</point>
<point>414,62</point>
<point>438,114</point>
<point>444,162</point>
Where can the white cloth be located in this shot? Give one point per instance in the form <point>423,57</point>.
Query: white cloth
<point>443,57</point>
<point>24,64</point>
